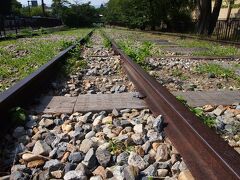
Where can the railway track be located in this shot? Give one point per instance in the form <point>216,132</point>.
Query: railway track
<point>95,140</point>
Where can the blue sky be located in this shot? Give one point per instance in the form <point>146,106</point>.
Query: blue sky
<point>49,2</point>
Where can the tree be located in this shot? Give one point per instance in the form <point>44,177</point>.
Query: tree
<point>43,8</point>
<point>207,17</point>
<point>147,13</point>
<point>58,6</point>
<point>80,15</point>
<point>5,7</point>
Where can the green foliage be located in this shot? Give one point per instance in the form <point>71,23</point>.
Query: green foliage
<point>143,13</point>
<point>74,62</point>
<point>116,147</point>
<point>18,116</point>
<point>216,69</point>
<point>137,54</point>
<point>80,15</point>
<point>35,11</point>
<point>177,73</point>
<point>27,32</point>
<point>107,43</point>
<point>65,44</point>
<point>208,120</point>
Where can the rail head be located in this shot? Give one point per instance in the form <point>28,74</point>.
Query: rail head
<point>206,154</point>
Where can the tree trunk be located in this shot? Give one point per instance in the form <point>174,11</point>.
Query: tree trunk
<point>214,16</point>
<point>43,7</point>
<point>205,7</point>
<point>230,3</point>
<point>152,15</point>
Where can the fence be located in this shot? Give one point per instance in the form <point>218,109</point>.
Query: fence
<point>228,30</point>
<point>13,24</point>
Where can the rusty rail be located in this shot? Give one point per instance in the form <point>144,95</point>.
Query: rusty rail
<point>205,153</point>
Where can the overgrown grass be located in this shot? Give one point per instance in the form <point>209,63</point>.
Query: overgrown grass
<point>138,54</point>
<point>74,62</point>
<point>218,71</point>
<point>21,57</point>
<point>206,119</point>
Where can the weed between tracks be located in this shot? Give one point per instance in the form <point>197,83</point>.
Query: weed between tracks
<point>208,120</point>
<point>138,54</point>
<point>218,70</point>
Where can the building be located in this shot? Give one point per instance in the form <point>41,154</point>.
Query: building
<point>235,11</point>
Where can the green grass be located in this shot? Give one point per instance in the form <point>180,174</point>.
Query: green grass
<point>138,54</point>
<point>217,70</point>
<point>206,119</point>
<point>39,50</point>
<point>179,74</point>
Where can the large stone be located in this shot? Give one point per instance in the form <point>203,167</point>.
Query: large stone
<point>158,123</point>
<point>137,161</point>
<point>96,178</point>
<point>57,174</point>
<point>82,167</point>
<point>74,175</point>
<point>70,167</point>
<point>162,153</point>
<point>219,111</point>
<point>31,157</point>
<point>90,134</point>
<point>46,122</point>
<point>90,159</point>
<point>130,172</point>
<point>84,118</point>
<point>53,165</point>
<point>107,120</point>
<point>75,157</point>
<point>19,131</point>
<point>175,168</point>
<point>162,172</point>
<point>137,139</point>
<point>86,145</point>
<point>98,120</point>
<point>66,128</point>
<point>104,173</point>
<point>185,175</point>
<point>35,163</point>
<point>122,158</point>
<point>150,170</point>
<point>31,124</point>
<point>117,172</point>
<point>17,175</point>
<point>41,148</point>
<point>138,128</point>
<point>18,167</point>
<point>103,155</point>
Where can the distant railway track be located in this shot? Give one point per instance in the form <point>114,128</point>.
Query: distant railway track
<point>237,44</point>
<point>205,153</point>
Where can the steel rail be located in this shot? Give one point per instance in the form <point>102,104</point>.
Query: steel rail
<point>205,153</point>
<point>22,93</point>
